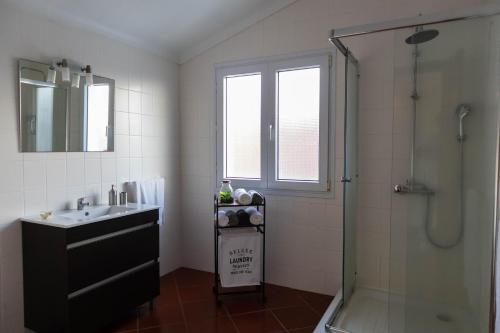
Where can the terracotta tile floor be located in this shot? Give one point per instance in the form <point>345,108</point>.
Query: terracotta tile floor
<point>187,304</point>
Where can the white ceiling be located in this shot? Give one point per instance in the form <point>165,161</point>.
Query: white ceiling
<point>175,29</point>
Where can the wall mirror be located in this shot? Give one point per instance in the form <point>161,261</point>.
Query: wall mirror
<point>58,116</point>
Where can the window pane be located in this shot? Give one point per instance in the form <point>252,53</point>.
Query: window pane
<point>97,117</point>
<point>242,126</point>
<point>298,124</point>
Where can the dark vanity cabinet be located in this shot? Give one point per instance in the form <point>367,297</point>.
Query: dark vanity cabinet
<point>82,278</point>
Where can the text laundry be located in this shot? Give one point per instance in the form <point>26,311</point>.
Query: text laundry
<point>240,260</point>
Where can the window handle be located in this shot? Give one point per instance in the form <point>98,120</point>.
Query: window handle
<point>270,132</point>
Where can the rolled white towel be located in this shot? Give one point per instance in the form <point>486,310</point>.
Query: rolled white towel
<point>256,217</point>
<point>242,196</point>
<point>223,219</point>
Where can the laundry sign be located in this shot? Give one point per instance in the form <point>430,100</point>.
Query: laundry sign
<point>239,258</point>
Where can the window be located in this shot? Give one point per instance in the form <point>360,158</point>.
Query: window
<point>272,123</point>
<point>242,131</point>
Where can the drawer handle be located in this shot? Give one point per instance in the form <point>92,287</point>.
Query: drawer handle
<point>107,236</point>
<point>110,279</point>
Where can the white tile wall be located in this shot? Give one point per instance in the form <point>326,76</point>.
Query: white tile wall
<point>122,123</point>
<point>30,183</point>
<point>121,100</point>
<point>134,102</point>
<point>315,264</point>
<point>135,124</point>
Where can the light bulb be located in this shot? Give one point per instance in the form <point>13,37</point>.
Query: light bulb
<point>75,80</point>
<point>65,74</point>
<point>51,75</point>
<point>89,78</point>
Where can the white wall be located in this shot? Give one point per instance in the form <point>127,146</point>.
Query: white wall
<point>304,239</point>
<point>147,141</point>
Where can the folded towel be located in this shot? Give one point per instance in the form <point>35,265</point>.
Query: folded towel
<point>257,198</point>
<point>256,217</point>
<point>242,196</point>
<point>149,192</point>
<point>223,219</point>
<point>243,217</point>
<point>233,218</point>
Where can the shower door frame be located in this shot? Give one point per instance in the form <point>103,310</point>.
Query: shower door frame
<point>412,22</point>
<point>346,179</point>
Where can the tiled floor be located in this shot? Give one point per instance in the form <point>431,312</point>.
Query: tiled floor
<point>186,304</point>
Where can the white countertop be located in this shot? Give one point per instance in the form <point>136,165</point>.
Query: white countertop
<point>58,218</point>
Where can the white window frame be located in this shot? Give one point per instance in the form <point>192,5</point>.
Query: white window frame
<point>294,64</point>
<point>268,67</point>
<point>236,71</point>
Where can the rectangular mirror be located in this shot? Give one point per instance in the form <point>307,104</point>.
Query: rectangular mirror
<point>57,117</point>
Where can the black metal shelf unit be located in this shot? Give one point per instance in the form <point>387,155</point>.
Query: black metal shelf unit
<point>260,228</point>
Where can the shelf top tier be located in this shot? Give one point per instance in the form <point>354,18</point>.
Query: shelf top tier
<point>235,203</point>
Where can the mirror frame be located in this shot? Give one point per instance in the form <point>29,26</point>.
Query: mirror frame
<point>97,79</point>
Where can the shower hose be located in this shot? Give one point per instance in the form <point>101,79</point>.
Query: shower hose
<point>459,236</point>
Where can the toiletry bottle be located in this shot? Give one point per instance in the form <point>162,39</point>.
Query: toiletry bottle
<point>123,198</point>
<point>112,196</point>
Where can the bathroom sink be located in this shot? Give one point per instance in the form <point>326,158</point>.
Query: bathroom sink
<point>73,218</point>
<point>94,212</point>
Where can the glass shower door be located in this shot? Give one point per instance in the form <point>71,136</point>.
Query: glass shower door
<point>444,138</point>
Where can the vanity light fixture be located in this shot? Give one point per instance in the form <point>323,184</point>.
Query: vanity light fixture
<point>65,72</point>
<point>75,80</point>
<point>89,77</point>
<point>68,76</point>
<point>51,75</point>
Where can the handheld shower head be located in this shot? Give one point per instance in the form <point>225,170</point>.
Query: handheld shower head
<point>462,111</point>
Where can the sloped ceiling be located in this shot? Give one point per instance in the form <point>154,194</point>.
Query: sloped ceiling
<point>175,29</point>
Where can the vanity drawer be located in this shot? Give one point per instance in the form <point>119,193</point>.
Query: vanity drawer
<point>95,261</point>
<point>113,299</point>
<point>96,229</point>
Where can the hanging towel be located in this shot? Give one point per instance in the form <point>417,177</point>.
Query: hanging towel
<point>256,217</point>
<point>242,196</point>
<point>222,218</point>
<point>243,217</point>
<point>257,198</point>
<point>233,219</point>
<point>148,192</point>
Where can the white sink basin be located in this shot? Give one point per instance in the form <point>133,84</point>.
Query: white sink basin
<point>73,218</point>
<point>95,212</point>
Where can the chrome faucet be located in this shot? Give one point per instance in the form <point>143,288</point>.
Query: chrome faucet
<point>80,203</point>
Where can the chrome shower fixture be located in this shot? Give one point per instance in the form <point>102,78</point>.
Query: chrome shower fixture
<point>462,111</point>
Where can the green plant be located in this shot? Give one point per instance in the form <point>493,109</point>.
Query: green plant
<point>226,197</point>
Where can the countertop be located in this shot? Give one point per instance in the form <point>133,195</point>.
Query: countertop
<point>56,220</point>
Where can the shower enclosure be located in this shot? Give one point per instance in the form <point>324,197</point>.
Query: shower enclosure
<point>437,272</point>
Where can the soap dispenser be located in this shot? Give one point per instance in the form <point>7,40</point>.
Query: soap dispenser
<point>112,196</point>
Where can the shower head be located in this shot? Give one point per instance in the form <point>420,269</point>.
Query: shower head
<point>422,36</point>
<point>462,111</point>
